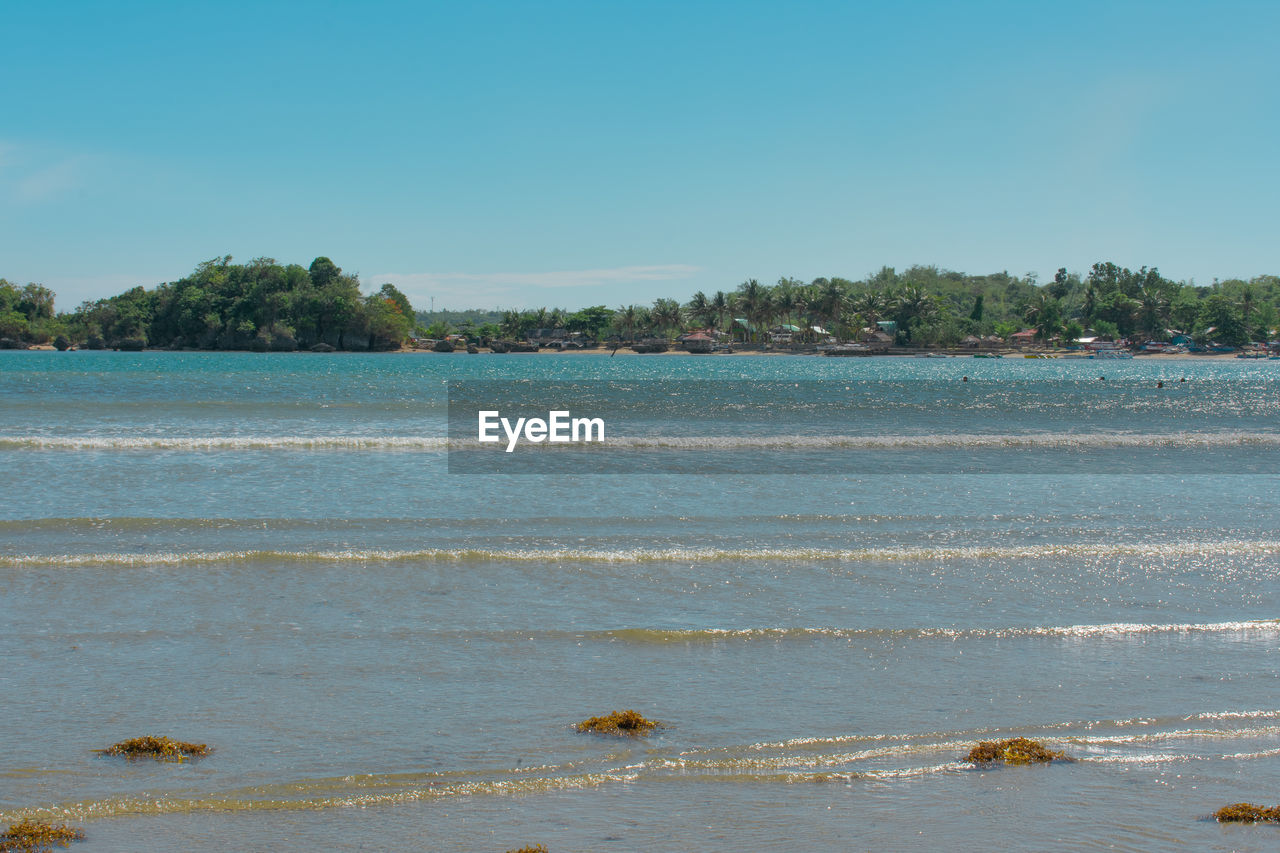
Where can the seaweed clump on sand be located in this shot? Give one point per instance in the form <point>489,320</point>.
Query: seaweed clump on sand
<point>1014,750</point>
<point>161,748</point>
<point>534,848</point>
<point>31,836</point>
<point>1247,813</point>
<point>619,723</point>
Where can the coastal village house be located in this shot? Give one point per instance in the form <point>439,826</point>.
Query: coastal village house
<point>1026,337</point>
<point>876,339</point>
<point>697,342</point>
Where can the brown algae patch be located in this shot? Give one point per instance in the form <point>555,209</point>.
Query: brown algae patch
<point>535,848</point>
<point>1247,813</point>
<point>159,748</point>
<point>1015,750</point>
<point>32,836</point>
<point>628,722</point>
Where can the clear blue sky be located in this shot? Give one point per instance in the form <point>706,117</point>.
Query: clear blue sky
<point>574,153</point>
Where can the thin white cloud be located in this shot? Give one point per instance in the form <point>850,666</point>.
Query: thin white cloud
<point>462,290</point>
<point>563,278</point>
<point>52,180</point>
<point>31,174</point>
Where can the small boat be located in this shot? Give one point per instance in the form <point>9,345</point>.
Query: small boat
<point>845,349</point>
<point>987,355</point>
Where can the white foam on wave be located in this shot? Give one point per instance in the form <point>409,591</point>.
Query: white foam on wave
<point>1042,440</point>
<point>1114,629</point>
<point>1178,734</point>
<point>1069,440</point>
<point>1152,550</point>
<point>224,442</point>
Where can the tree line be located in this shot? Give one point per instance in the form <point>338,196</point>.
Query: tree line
<point>263,305</point>
<point>928,307</point>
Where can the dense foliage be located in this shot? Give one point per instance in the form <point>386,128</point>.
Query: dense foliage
<point>26,313</point>
<point>929,306</point>
<point>261,305</point>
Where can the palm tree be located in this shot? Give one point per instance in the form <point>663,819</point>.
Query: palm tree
<point>755,302</point>
<point>626,319</point>
<point>914,308</point>
<point>1153,312</point>
<point>666,314</point>
<point>832,301</point>
<point>721,305</point>
<point>510,325</point>
<point>701,310</point>
<point>1090,302</point>
<point>801,301</point>
<point>872,305</point>
<point>784,299</point>
<point>1247,304</point>
<point>644,321</point>
<point>1045,315</point>
<point>849,325</point>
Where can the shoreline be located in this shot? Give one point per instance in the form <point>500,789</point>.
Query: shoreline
<point>1014,354</point>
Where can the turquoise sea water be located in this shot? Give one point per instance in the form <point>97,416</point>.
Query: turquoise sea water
<point>269,554</point>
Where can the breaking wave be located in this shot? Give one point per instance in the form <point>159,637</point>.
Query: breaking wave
<point>837,759</point>
<point>1050,440</point>
<point>1069,440</point>
<point>1152,550</point>
<point>1115,629</point>
<point>224,442</point>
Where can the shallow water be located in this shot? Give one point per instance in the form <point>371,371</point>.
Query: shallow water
<point>269,554</point>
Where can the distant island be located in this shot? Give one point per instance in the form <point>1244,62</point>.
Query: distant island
<point>265,306</point>
<point>261,305</point>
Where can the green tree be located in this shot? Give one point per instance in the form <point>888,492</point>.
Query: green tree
<point>1184,309</point>
<point>1044,314</point>
<point>667,315</point>
<point>1153,313</point>
<point>721,304</point>
<point>1106,329</point>
<point>976,314</point>
<point>1061,284</point>
<point>914,310</point>
<point>700,310</point>
<point>1005,330</point>
<point>590,321</point>
<point>755,301</point>
<point>510,325</point>
<point>387,324</point>
<point>1221,320</point>
<point>36,303</point>
<point>626,319</point>
<point>323,272</point>
<point>390,291</point>
<point>831,301</point>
